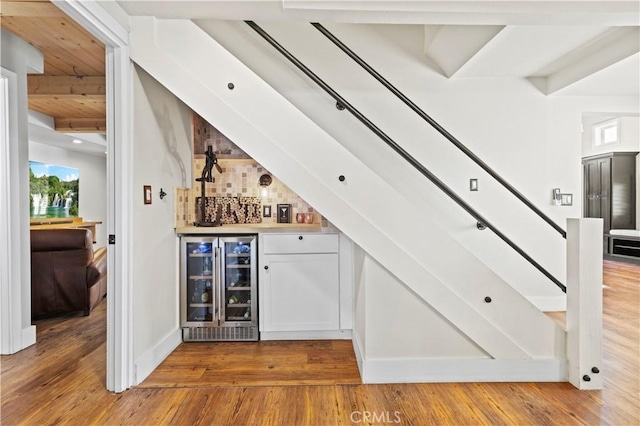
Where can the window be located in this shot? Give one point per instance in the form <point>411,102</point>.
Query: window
<point>607,132</point>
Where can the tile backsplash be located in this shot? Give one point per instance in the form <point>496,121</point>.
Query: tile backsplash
<point>239,178</point>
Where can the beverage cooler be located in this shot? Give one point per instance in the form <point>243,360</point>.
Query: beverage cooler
<point>218,288</point>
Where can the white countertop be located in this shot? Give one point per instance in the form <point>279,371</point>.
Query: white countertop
<point>625,232</point>
<point>254,228</point>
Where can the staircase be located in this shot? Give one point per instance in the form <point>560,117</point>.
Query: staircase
<point>511,334</point>
<point>533,235</point>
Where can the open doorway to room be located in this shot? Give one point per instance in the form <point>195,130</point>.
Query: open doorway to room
<point>67,148</point>
<point>611,169</point>
<point>67,112</point>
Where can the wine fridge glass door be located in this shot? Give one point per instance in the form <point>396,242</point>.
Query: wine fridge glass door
<point>239,281</point>
<point>199,289</point>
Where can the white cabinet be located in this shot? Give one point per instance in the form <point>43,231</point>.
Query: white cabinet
<point>300,292</point>
<point>299,286</point>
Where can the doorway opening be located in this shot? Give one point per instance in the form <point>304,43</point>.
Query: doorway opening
<point>611,168</point>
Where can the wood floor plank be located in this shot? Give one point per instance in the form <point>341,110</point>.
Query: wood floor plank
<point>257,364</point>
<point>61,380</point>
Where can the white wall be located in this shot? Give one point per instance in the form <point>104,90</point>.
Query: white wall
<point>401,325</point>
<point>359,303</point>
<point>162,159</point>
<point>629,134</point>
<point>408,341</point>
<point>93,182</point>
<point>532,140</point>
<point>18,59</point>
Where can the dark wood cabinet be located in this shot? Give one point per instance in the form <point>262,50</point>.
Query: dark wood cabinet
<point>610,190</point>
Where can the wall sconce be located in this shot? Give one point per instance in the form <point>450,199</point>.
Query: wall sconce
<point>264,182</point>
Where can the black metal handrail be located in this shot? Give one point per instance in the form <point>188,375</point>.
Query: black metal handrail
<point>404,154</point>
<point>438,127</point>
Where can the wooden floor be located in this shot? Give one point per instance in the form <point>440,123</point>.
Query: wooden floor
<point>61,380</point>
<point>320,362</point>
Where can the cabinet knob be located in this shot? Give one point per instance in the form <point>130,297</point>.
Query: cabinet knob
<point>300,237</point>
<point>266,267</point>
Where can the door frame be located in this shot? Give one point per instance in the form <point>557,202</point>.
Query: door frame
<point>95,19</point>
<point>16,330</point>
<point>10,339</point>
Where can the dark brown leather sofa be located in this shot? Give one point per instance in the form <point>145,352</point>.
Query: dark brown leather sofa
<point>67,276</point>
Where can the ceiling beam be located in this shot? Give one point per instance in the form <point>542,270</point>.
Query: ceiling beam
<point>84,125</point>
<point>595,56</point>
<point>77,104</point>
<point>50,85</point>
<point>30,9</point>
<point>452,46</point>
<point>476,12</point>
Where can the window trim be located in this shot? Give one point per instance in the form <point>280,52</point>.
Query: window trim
<point>600,128</point>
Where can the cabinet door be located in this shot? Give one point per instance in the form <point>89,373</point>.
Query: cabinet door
<point>592,189</point>
<point>300,292</point>
<point>623,196</point>
<point>597,190</point>
<point>604,197</point>
<point>238,302</point>
<point>197,287</point>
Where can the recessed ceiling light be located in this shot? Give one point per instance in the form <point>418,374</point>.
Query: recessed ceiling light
<point>76,141</point>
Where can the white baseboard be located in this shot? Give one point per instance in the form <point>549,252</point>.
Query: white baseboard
<point>28,336</point>
<point>550,304</point>
<point>357,349</point>
<point>152,358</point>
<point>306,335</point>
<point>425,370</point>
<point>23,339</point>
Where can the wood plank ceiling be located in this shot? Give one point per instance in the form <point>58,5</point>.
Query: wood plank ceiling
<point>72,88</point>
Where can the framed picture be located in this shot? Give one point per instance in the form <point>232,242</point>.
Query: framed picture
<point>284,213</point>
<point>53,191</point>
<point>266,211</point>
<point>147,194</point>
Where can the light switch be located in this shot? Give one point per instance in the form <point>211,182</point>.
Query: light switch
<point>473,184</point>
